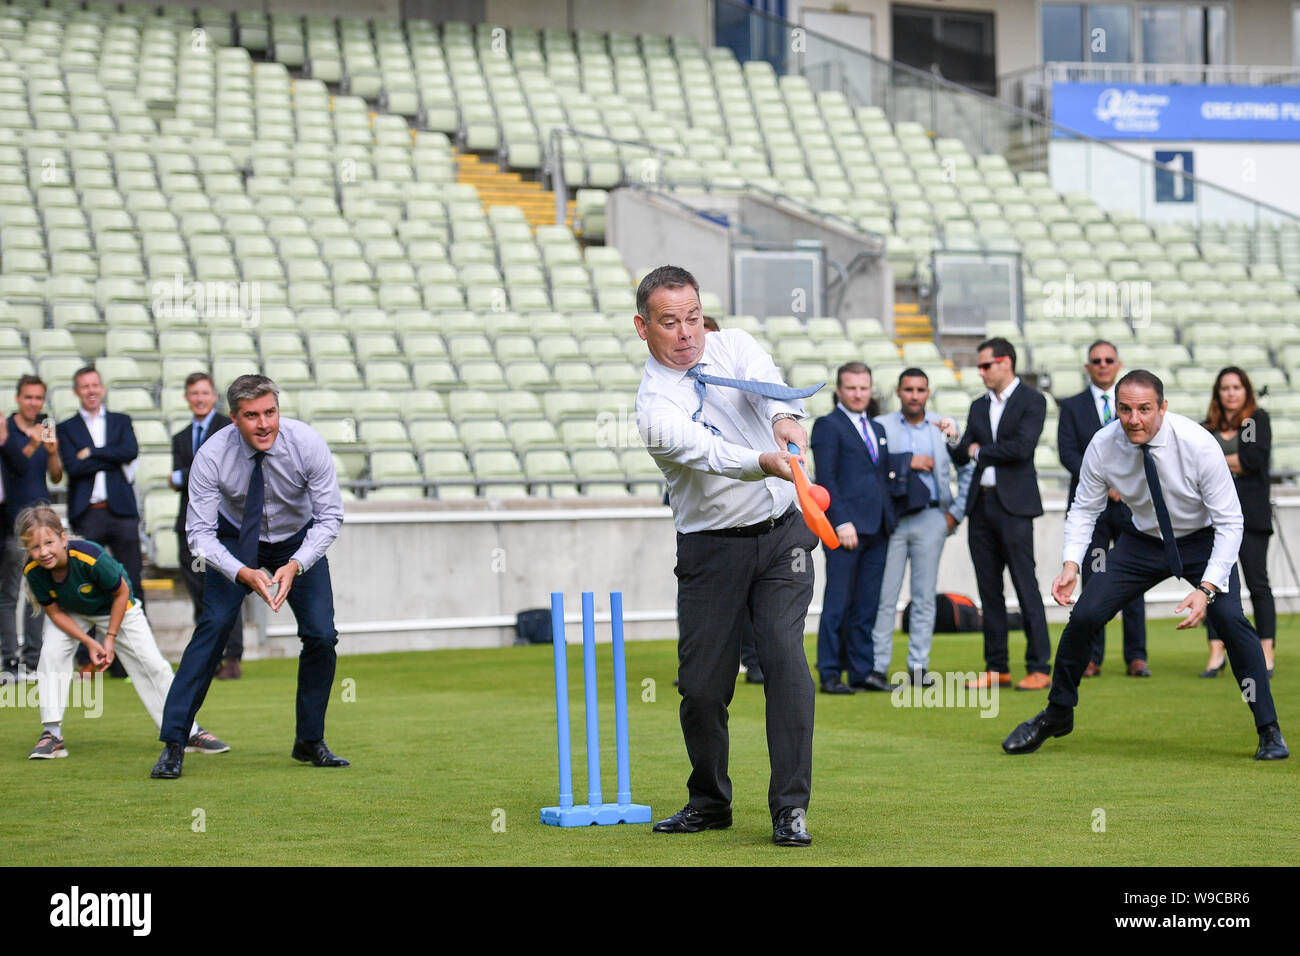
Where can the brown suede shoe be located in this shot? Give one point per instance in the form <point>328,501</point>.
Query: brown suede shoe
<point>230,669</point>
<point>1138,668</point>
<point>1035,681</point>
<point>1092,670</point>
<point>988,679</point>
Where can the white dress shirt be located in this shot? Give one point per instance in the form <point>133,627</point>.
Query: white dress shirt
<point>1194,480</point>
<point>97,425</point>
<point>714,480</point>
<point>997,405</point>
<point>1097,393</point>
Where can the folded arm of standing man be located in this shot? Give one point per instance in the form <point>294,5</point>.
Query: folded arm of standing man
<point>84,462</point>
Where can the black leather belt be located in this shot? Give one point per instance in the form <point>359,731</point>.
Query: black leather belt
<point>916,511</point>
<point>753,530</point>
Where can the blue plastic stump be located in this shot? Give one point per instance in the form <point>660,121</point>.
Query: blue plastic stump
<point>595,812</point>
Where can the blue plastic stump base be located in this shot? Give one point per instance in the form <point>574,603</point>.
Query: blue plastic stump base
<point>602,814</point>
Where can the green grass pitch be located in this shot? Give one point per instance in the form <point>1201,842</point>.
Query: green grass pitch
<point>453,754</point>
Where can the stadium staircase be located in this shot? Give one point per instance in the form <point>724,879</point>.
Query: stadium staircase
<point>497,187</point>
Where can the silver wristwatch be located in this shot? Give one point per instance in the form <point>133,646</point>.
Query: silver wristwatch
<point>780,415</point>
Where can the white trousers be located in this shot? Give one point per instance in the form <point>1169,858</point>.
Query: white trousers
<point>149,671</point>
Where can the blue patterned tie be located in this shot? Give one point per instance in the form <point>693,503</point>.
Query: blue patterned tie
<point>1106,415</point>
<point>251,524</point>
<point>198,437</point>
<point>1162,513</point>
<point>766,389</point>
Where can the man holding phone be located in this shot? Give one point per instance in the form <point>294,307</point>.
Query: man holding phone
<point>29,452</point>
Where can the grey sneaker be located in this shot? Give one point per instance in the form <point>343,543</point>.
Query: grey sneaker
<point>203,742</point>
<point>48,748</point>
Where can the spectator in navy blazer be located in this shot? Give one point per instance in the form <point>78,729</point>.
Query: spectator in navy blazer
<point>853,463</point>
<point>98,449</point>
<point>1082,416</point>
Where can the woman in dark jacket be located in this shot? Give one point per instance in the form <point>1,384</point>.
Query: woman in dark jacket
<point>1242,431</point>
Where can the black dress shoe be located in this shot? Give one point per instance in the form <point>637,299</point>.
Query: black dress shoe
<point>169,763</point>
<point>791,828</point>
<point>921,678</point>
<point>836,686</point>
<point>315,752</point>
<point>1214,671</point>
<point>754,675</point>
<point>1271,744</point>
<point>1033,733</point>
<point>875,681</point>
<point>690,820</point>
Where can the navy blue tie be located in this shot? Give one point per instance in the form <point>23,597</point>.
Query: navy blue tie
<point>198,437</point>
<point>251,525</point>
<point>1162,513</point>
<point>766,389</point>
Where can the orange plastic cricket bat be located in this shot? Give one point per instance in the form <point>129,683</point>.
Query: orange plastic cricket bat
<point>813,515</point>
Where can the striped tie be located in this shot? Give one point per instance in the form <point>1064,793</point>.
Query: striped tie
<point>870,440</point>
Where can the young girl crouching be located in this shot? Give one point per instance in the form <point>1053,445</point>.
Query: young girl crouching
<point>80,585</point>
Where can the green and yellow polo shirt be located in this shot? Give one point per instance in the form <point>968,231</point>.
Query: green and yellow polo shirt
<point>93,578</point>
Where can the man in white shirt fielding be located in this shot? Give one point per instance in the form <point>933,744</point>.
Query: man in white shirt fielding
<point>716,418</point>
<point>1171,474</point>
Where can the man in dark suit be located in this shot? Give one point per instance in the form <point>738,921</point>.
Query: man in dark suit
<point>853,463</point>
<point>1001,434</point>
<point>1081,416</point>
<point>98,450</point>
<point>202,399</point>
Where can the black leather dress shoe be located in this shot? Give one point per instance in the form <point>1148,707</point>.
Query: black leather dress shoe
<point>1033,733</point>
<point>1271,744</point>
<point>921,678</point>
<point>690,820</point>
<point>791,828</point>
<point>836,686</point>
<point>315,752</point>
<point>169,763</point>
<point>874,681</point>
<point>754,675</point>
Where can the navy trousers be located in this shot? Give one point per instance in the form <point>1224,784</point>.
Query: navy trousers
<point>312,600</point>
<point>849,608</point>
<point>1136,564</point>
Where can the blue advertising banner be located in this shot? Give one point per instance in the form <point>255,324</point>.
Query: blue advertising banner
<point>1135,111</point>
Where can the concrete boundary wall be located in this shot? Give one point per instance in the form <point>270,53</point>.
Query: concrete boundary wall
<point>426,579</point>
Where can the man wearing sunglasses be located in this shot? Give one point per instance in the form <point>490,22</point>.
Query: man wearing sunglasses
<point>1082,416</point>
<point>1001,433</point>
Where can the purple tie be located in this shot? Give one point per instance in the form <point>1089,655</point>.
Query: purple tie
<point>870,440</point>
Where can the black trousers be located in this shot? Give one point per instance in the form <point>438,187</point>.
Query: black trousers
<point>1135,565</point>
<point>1254,567</point>
<point>1001,540</point>
<point>121,536</point>
<point>1110,525</point>
<point>194,578</point>
<point>719,580</point>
